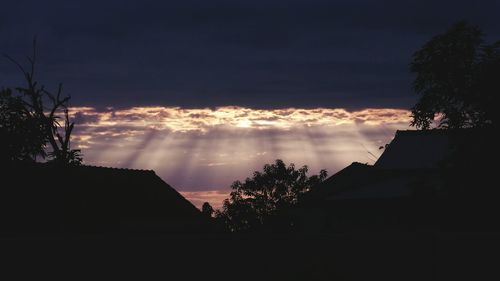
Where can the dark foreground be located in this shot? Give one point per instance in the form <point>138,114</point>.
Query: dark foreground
<point>361,256</point>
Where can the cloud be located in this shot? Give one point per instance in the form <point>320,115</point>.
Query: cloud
<point>203,138</point>
<point>183,120</point>
<point>214,197</point>
<point>201,151</point>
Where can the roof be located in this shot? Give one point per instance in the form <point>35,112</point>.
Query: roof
<point>362,181</point>
<point>411,159</point>
<point>88,197</point>
<point>410,150</point>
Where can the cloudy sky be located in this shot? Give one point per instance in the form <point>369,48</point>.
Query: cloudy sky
<point>202,151</point>
<point>204,92</point>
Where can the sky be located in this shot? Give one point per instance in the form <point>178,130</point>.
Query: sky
<point>205,92</point>
<point>202,151</point>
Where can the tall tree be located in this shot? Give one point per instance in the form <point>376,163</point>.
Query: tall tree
<point>43,110</point>
<point>457,79</point>
<point>277,187</point>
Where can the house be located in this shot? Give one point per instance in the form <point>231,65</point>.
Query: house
<point>39,198</point>
<point>417,183</point>
<point>410,162</point>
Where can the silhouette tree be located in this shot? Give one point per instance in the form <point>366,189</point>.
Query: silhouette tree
<point>40,116</point>
<point>207,210</point>
<point>277,187</point>
<point>21,137</point>
<point>457,79</point>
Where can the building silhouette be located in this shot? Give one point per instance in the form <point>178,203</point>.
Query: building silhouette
<point>424,180</point>
<point>39,198</point>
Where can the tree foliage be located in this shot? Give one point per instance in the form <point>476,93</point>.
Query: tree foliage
<point>277,187</point>
<point>34,119</point>
<point>207,210</point>
<point>21,136</point>
<point>457,79</point>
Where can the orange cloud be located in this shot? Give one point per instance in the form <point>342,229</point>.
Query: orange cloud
<point>184,120</point>
<point>198,149</point>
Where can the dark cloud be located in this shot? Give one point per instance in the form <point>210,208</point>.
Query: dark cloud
<point>259,54</point>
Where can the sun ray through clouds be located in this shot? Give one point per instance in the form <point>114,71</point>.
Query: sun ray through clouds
<point>204,150</point>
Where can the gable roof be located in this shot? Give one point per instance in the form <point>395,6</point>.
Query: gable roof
<point>362,181</point>
<point>411,160</point>
<point>411,150</point>
<point>93,198</point>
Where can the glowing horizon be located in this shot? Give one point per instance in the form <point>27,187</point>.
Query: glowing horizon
<point>201,151</point>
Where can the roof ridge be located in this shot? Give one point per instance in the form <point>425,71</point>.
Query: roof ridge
<point>46,164</point>
<point>116,168</point>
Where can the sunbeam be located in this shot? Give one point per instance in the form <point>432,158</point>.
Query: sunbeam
<point>204,150</point>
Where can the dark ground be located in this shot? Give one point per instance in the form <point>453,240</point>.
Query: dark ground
<point>360,256</point>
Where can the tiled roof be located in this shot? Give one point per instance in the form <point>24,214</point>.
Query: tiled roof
<point>91,197</point>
